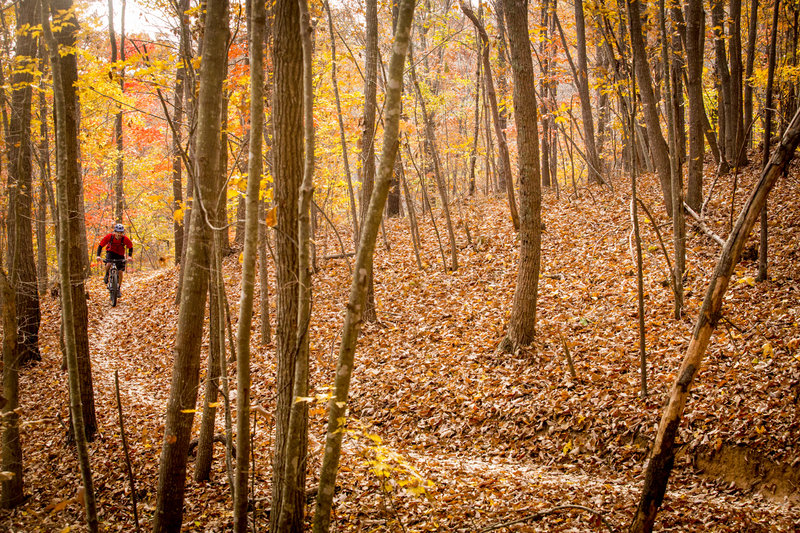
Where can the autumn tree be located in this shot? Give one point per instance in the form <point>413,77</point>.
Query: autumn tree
<point>186,367</point>
<point>522,324</point>
<point>21,264</point>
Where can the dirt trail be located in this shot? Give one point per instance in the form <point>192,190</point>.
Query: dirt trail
<point>108,346</point>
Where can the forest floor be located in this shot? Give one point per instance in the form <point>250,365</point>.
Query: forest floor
<point>445,434</point>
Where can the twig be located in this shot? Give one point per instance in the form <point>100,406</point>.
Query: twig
<point>127,453</point>
<point>716,238</point>
<point>542,514</point>
<point>658,233</point>
<point>569,358</point>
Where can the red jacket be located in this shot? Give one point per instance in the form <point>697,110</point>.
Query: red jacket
<point>115,245</point>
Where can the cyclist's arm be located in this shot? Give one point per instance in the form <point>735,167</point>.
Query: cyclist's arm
<point>129,244</point>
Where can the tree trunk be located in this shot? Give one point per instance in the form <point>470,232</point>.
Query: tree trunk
<point>358,288</point>
<point>287,116</point>
<point>586,103</point>
<point>662,457</point>
<point>255,168</point>
<point>45,190</point>
<point>67,39</point>
<point>21,263</point>
<point>739,156</point>
<point>694,87</point>
<point>505,159</point>
<point>522,324</point>
<point>727,131</point>
<point>119,195</point>
<point>67,143</point>
<point>11,489</point>
<point>185,373</point>
<point>762,249</point>
<point>265,326</point>
<point>430,143</point>
<point>658,147</point>
<point>294,474</point>
<point>342,138</point>
<point>748,72</point>
<point>205,438</point>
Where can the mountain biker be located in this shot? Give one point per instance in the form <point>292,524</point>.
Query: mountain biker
<point>115,244</point>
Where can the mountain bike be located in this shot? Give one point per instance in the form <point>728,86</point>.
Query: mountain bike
<point>113,281</point>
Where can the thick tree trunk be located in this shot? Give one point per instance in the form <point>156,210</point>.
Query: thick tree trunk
<point>287,117</point>
<point>727,131</point>
<point>67,39</point>
<point>358,288</point>
<point>21,259</point>
<point>522,324</point>
<point>185,373</point>
<point>694,65</point>
<point>662,457</point>
<point>658,147</point>
<point>739,156</point>
<point>119,195</point>
<point>11,489</point>
<point>294,473</point>
<point>67,143</point>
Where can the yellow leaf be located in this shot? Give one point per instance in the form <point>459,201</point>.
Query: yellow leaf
<point>177,216</point>
<point>215,404</point>
<point>567,448</point>
<point>308,399</point>
<point>767,350</point>
<point>749,280</point>
<point>66,529</point>
<point>188,411</point>
<point>760,430</point>
<point>271,220</point>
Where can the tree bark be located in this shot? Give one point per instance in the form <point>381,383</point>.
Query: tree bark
<point>694,65</point>
<point>658,147</point>
<point>66,143</point>
<point>522,324</point>
<point>748,72</point>
<point>21,263</point>
<point>287,117</point>
<point>185,373</point>
<point>11,490</point>
<point>255,169</point>
<point>727,131</point>
<point>762,248</point>
<point>358,288</point>
<point>119,195</point>
<point>662,457</point>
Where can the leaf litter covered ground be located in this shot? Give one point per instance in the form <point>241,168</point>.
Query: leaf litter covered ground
<point>446,435</point>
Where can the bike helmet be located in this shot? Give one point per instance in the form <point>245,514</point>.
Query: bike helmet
<point>119,227</point>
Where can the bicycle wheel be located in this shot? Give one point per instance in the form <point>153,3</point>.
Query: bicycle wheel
<point>113,286</point>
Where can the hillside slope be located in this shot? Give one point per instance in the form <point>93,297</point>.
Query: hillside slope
<point>446,435</point>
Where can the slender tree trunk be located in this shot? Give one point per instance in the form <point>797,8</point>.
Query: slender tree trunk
<point>205,438</point>
<point>287,116</point>
<point>748,72</point>
<point>473,155</point>
<point>342,138</point>
<point>44,193</point>
<point>522,324</point>
<point>505,159</point>
<point>762,249</point>
<point>583,91</point>
<point>358,288</point>
<point>430,142</point>
<point>694,64</point>
<point>739,156</point>
<point>119,195</point>
<point>727,130</point>
<point>258,21</point>
<point>67,141</point>
<point>658,147</point>
<point>265,325</point>
<point>662,456</point>
<point>185,373</point>
<point>11,489</point>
